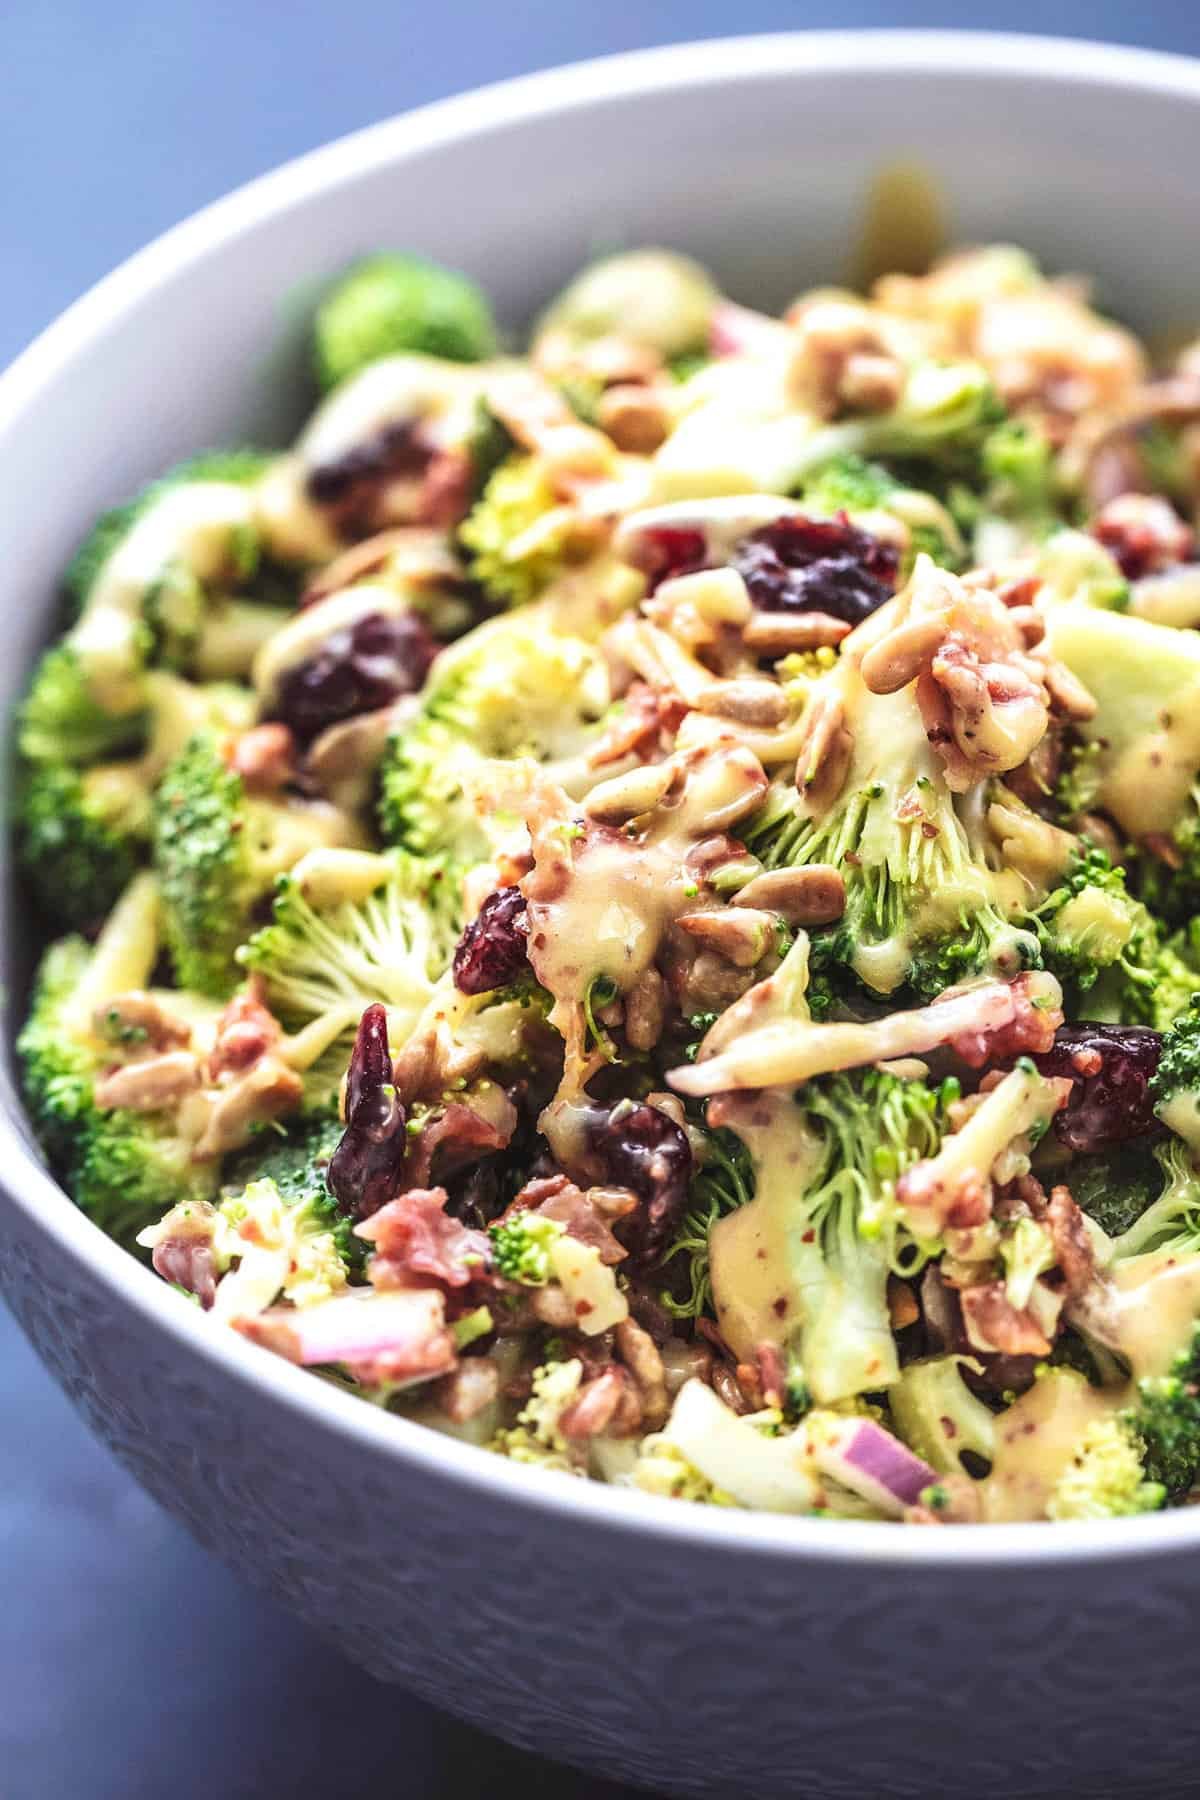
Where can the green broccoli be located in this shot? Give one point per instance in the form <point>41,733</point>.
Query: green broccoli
<point>1171,889</point>
<point>512,688</point>
<point>923,910</point>
<point>723,1181</point>
<point>242,468</point>
<point>1172,1221</point>
<point>825,1169</point>
<point>1175,1086</point>
<point>653,298</point>
<point>939,1417</point>
<point>81,834</point>
<point>349,929</point>
<point>61,721</point>
<point>1166,1418</point>
<point>151,584</point>
<point>121,1168</point>
<point>1090,923</point>
<point>1116,1186</point>
<point>218,851</point>
<point>392,302</point>
<point>509,555</point>
<point>296,1161</point>
<point>521,1247</point>
<point>1107,1478</point>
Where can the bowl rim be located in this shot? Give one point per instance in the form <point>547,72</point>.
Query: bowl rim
<point>28,1186</point>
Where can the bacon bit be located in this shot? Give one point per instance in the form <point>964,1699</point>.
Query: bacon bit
<point>246,1030</point>
<point>414,1237</point>
<point>609,1403</point>
<point>1071,1238</point>
<point>264,757</point>
<point>445,493</point>
<point>645,727</point>
<point>583,1215</point>
<point>1144,533</point>
<point>462,1134</point>
<point>1028,1032</point>
<point>771,1373</point>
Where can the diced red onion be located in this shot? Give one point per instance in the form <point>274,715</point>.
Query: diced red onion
<point>872,1463</point>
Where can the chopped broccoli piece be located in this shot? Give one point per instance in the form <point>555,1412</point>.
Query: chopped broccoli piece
<point>512,688</point>
<point>536,1437</point>
<point>392,302</point>
<point>654,298</point>
<point>1172,1221</point>
<point>922,909</point>
<point>1176,1082</point>
<point>121,1168</point>
<point>521,1247</point>
<point>338,943</point>
<point>81,834</point>
<point>1171,889</point>
<point>1116,1186</point>
<point>939,1417</point>
<point>510,557</point>
<point>61,721</point>
<point>723,1180</point>
<point>1106,1478</point>
<point>1166,1417</point>
<point>241,467</point>
<point>1090,922</point>
<point>218,851</point>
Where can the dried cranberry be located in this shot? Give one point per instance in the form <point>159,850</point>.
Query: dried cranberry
<point>800,564</point>
<point>358,668</point>
<point>1112,1067</point>
<point>394,450</point>
<point>494,949</point>
<point>641,1148</point>
<point>364,1168</point>
<point>669,550</point>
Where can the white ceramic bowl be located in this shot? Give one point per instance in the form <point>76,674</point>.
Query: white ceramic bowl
<point>691,1649</point>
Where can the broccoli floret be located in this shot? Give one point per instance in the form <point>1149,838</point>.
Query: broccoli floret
<point>1089,922</point>
<point>295,1160</point>
<point>81,835</point>
<point>536,1437</point>
<point>1171,889</point>
<point>1172,1221</point>
<point>121,1168</point>
<point>349,929</point>
<point>1106,1478</point>
<point>521,1247</point>
<point>61,721</point>
<point>1116,1186</point>
<point>392,302</point>
<point>512,688</point>
<point>510,554</point>
<point>825,1173</point>
<point>723,1181</point>
<point>1017,463</point>
<point>922,909</point>
<point>1176,1082</point>
<point>1166,1418</point>
<point>939,1417</point>
<point>218,851</point>
<point>654,298</point>
<point>241,467</point>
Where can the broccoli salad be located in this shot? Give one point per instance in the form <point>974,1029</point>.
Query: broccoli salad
<point>635,902</point>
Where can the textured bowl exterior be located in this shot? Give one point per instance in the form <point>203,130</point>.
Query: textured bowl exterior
<point>689,1649</point>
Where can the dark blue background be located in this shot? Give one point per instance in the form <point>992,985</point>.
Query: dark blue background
<point>132,1667</point>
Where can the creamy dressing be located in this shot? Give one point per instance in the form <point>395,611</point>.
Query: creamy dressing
<point>1146,681</point>
<point>195,525</point>
<point>1036,1440</point>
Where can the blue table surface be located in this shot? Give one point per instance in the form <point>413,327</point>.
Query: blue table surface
<point>131,1665</point>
